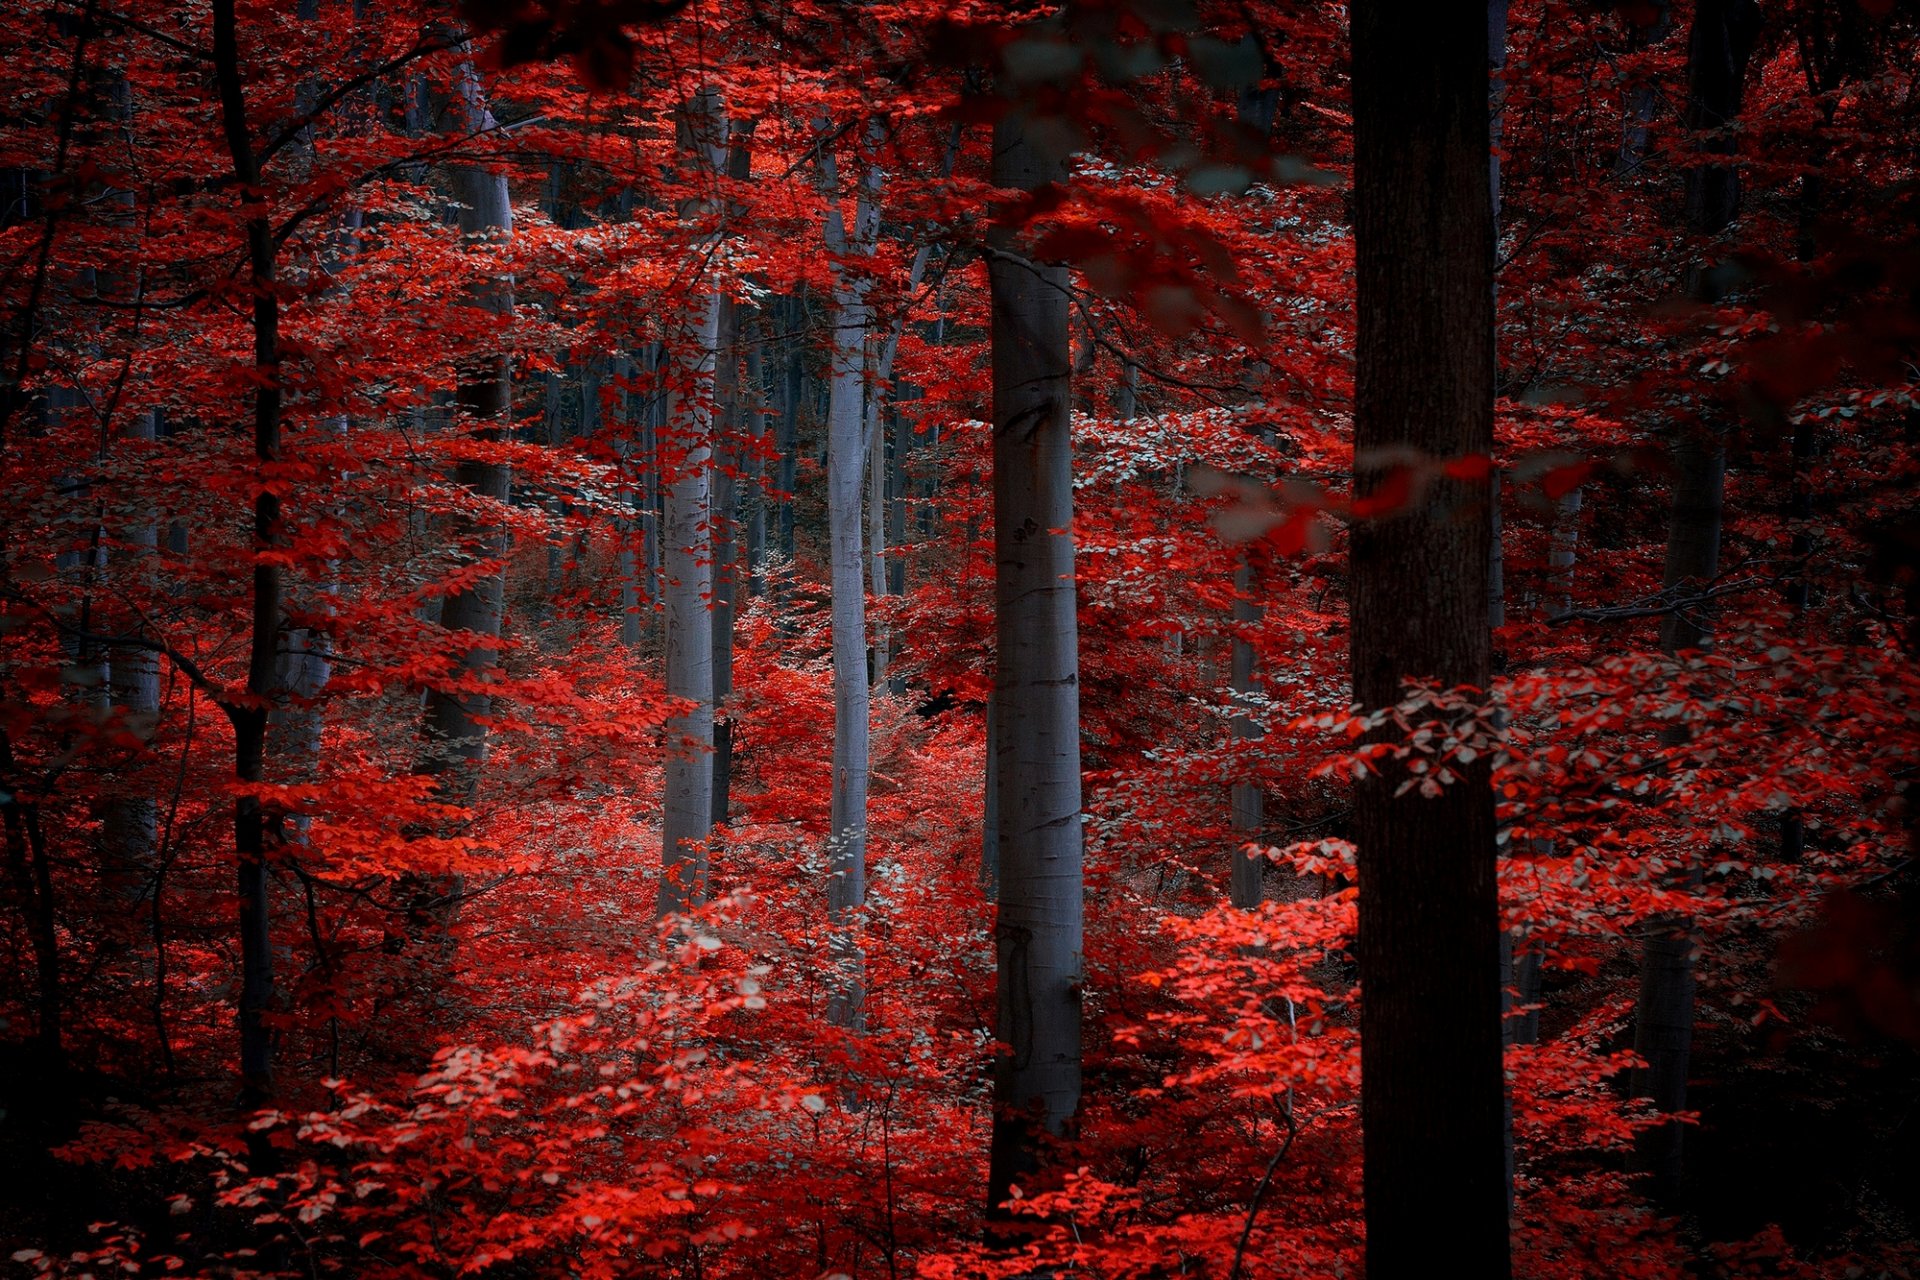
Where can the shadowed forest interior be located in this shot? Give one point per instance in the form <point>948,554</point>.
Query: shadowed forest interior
<point>1128,639</point>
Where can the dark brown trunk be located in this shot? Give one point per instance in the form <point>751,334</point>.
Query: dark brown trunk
<point>1429,937</point>
<point>250,721</point>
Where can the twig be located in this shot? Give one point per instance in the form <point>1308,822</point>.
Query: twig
<point>1260,1191</point>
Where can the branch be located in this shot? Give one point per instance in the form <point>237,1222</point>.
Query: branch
<point>182,663</point>
<point>1665,602</point>
<point>306,119</point>
<point>1260,1191</point>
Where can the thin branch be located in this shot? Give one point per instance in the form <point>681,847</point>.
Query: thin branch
<point>1665,602</point>
<point>328,100</point>
<point>1260,1192</point>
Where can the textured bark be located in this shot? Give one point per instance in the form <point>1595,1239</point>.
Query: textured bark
<point>850,316</point>
<point>1037,935</point>
<point>687,558</point>
<point>1247,800</point>
<point>727,559</point>
<point>726,545</point>
<point>1432,1103</point>
<point>1563,551</point>
<point>453,732</point>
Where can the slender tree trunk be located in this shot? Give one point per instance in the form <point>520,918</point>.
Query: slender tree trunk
<point>250,720</point>
<point>1247,800</point>
<point>130,815</point>
<point>1663,1015</point>
<point>726,546</point>
<point>1037,935</point>
<point>1432,1099</point>
<point>1642,35</point>
<point>756,466</point>
<point>1718,48</point>
<point>687,556</point>
<point>1563,551</point>
<point>453,725</point>
<point>635,603</point>
<point>850,318</point>
<point>727,558</point>
<point>31,875</point>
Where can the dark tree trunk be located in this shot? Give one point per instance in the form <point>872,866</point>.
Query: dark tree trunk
<point>1429,937</point>
<point>1718,48</point>
<point>250,721</point>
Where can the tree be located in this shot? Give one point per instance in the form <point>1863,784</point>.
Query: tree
<point>1718,47</point>
<point>1035,754</point>
<point>1428,931</point>
<point>849,318</point>
<point>687,541</point>
<point>453,725</point>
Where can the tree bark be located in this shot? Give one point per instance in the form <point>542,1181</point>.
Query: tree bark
<point>1246,799</point>
<point>727,557</point>
<point>250,719</point>
<point>850,317</point>
<point>687,556</point>
<point>1037,936</point>
<point>1432,1100</point>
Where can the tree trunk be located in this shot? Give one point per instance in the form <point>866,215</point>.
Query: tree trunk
<point>850,317</point>
<point>1037,936</point>
<point>250,720</point>
<point>453,724</point>
<point>1432,1100</point>
<point>1663,1015</point>
<point>1247,800</point>
<point>726,545</point>
<point>687,559</point>
<point>1563,551</point>
<point>727,557</point>
<point>1718,48</point>
<point>130,815</point>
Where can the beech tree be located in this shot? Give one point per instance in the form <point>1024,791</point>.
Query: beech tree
<point>1428,929</point>
<point>1182,405</point>
<point>687,541</point>
<point>1035,752</point>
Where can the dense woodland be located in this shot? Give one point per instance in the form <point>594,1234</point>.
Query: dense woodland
<point>1127,638</point>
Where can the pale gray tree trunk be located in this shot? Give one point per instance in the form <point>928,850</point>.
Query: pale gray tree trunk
<point>1247,800</point>
<point>756,495</point>
<point>850,317</point>
<point>1563,550</point>
<point>1037,935</point>
<point>687,551</point>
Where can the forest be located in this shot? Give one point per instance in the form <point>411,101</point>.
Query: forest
<point>1118,639</point>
